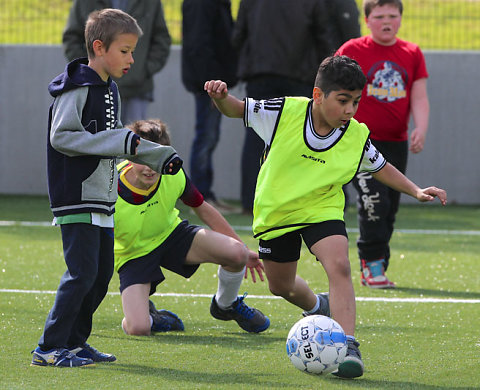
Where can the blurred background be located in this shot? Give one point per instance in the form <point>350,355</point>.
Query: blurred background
<point>432,24</point>
<point>448,32</point>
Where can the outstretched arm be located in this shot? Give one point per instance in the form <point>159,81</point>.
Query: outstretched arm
<point>392,177</point>
<point>227,104</point>
<point>215,221</point>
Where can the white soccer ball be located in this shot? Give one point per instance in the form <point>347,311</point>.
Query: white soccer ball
<point>316,345</point>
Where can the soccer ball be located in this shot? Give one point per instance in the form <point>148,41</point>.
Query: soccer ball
<point>316,345</point>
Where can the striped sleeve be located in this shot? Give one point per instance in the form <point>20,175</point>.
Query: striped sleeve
<point>261,115</point>
<point>372,160</point>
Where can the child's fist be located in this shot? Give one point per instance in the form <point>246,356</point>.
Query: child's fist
<point>216,89</point>
<point>172,165</point>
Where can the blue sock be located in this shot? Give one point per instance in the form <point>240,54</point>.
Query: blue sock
<point>350,338</point>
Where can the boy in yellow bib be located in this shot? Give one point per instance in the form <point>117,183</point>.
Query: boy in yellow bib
<point>149,236</point>
<point>313,147</point>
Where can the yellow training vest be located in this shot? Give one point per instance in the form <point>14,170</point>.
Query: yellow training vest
<point>297,185</point>
<point>141,228</point>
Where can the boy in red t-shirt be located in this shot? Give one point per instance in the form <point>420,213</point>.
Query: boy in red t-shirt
<point>396,87</point>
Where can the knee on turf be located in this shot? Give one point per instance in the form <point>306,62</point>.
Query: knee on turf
<point>136,327</point>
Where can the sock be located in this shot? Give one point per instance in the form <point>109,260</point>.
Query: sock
<point>315,308</point>
<point>350,338</point>
<point>124,331</point>
<point>151,321</point>
<point>228,286</point>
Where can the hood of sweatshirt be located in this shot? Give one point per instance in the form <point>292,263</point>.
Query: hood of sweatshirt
<point>76,74</point>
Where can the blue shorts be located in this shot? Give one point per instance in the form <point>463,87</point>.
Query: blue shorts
<point>286,248</point>
<point>170,255</point>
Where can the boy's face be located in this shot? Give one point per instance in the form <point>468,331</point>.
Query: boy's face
<point>142,176</point>
<point>384,22</point>
<point>117,60</point>
<point>338,107</point>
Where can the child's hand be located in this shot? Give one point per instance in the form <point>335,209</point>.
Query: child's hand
<point>430,193</point>
<point>417,140</point>
<point>254,264</point>
<point>172,165</point>
<point>216,89</point>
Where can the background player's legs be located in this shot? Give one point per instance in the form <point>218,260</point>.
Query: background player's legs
<point>207,135</point>
<point>377,206</point>
<point>253,147</point>
<point>134,109</point>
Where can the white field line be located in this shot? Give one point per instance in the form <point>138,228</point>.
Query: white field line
<point>249,228</point>
<point>209,296</point>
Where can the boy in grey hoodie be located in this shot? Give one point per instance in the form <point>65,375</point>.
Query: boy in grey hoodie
<point>85,136</point>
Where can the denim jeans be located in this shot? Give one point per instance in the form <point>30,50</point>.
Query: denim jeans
<point>207,135</point>
<point>134,109</point>
<point>88,252</point>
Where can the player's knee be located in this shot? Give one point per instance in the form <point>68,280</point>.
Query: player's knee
<point>238,255</point>
<point>341,268</point>
<point>279,289</point>
<point>136,328</point>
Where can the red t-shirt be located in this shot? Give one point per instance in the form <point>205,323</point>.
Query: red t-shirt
<point>390,71</point>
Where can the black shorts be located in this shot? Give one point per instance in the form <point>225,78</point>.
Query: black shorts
<point>170,254</point>
<point>286,248</point>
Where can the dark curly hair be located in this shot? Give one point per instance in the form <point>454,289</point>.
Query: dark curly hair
<point>339,72</point>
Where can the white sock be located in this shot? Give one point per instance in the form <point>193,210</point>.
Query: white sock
<point>315,308</point>
<point>124,331</point>
<point>228,286</point>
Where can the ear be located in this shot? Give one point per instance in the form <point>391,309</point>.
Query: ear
<point>98,47</point>
<point>317,95</point>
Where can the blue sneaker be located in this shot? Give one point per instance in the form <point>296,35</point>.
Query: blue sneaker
<point>248,318</point>
<point>59,357</point>
<point>352,366</point>
<point>88,352</point>
<point>323,309</point>
<point>164,320</point>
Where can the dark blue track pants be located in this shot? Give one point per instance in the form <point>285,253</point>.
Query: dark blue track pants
<point>88,252</point>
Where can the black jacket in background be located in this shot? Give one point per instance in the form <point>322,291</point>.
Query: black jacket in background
<point>207,51</point>
<point>281,37</point>
<point>151,52</point>
<point>344,21</point>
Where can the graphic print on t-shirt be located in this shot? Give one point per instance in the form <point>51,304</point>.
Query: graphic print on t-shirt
<point>387,81</point>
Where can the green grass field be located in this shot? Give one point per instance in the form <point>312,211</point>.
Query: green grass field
<point>433,24</point>
<point>422,335</point>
